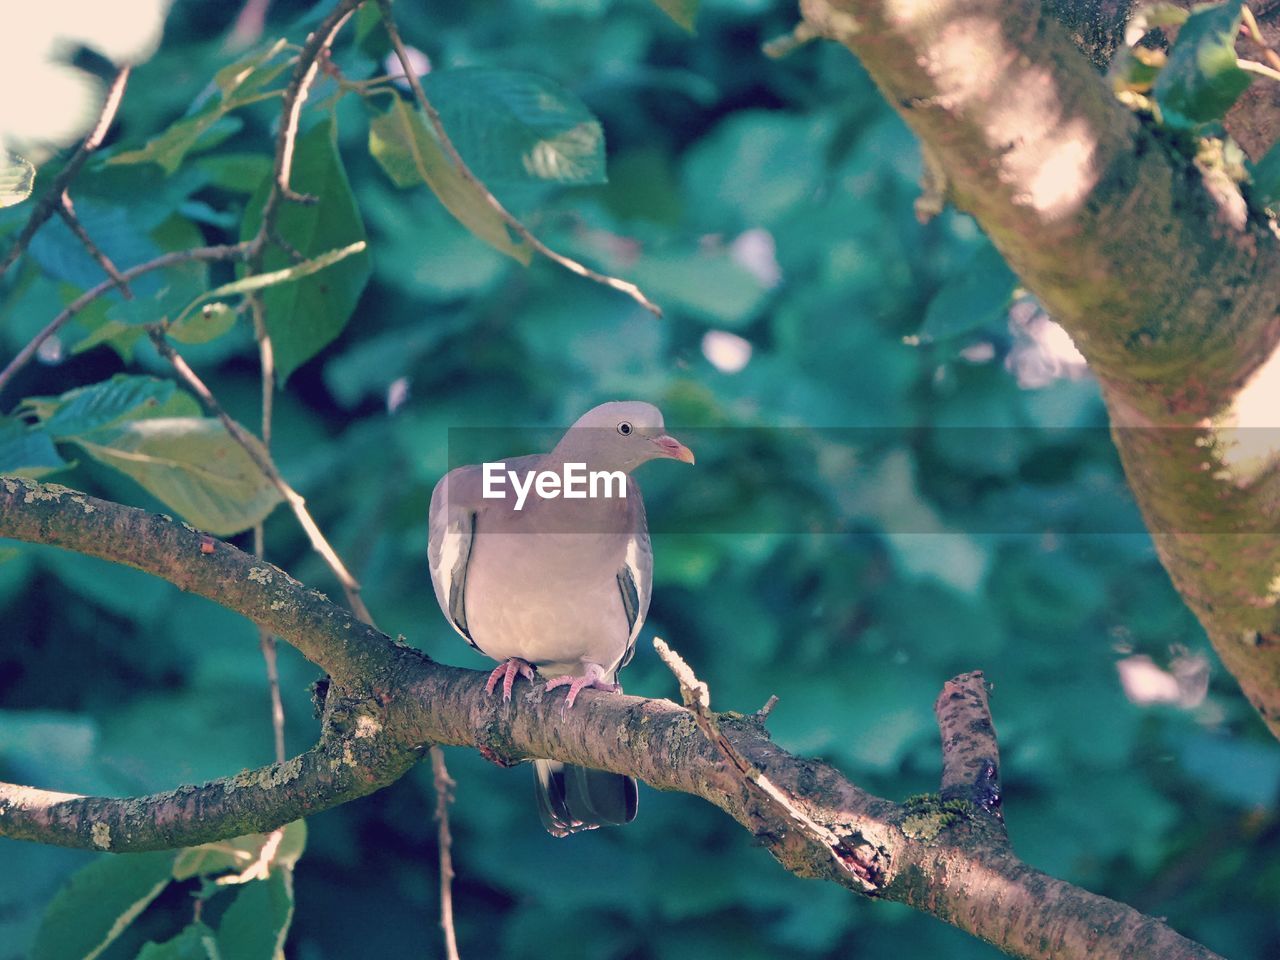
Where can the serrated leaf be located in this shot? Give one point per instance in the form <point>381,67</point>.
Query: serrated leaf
<point>195,942</point>
<point>405,147</point>
<point>98,903</point>
<point>303,317</point>
<point>208,323</point>
<point>239,854</point>
<point>109,403</point>
<point>1202,78</point>
<point>972,298</point>
<point>27,451</point>
<point>17,178</point>
<point>257,922</point>
<point>513,127</point>
<point>683,12</point>
<point>193,465</point>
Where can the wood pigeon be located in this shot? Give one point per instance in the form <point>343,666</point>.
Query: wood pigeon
<point>543,563</point>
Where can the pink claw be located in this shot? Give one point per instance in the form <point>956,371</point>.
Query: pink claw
<point>508,670</point>
<point>593,679</point>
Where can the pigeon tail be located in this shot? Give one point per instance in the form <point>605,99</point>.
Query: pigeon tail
<point>572,798</point>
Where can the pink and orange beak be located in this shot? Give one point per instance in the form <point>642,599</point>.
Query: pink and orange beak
<point>673,448</point>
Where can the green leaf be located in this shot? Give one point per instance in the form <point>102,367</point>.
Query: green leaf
<point>972,299</point>
<point>1202,79</point>
<point>257,922</point>
<point>193,465</point>
<point>260,281</point>
<point>235,172</point>
<point>402,143</point>
<point>207,125</point>
<point>303,317</point>
<point>98,903</point>
<point>1264,186</point>
<point>683,12</point>
<point>110,403</point>
<point>27,451</point>
<point>202,131</point>
<point>208,323</point>
<point>513,127</point>
<point>195,942</point>
<point>371,36</point>
<point>17,178</point>
<point>237,855</point>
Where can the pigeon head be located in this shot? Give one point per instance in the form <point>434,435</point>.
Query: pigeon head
<point>620,436</point>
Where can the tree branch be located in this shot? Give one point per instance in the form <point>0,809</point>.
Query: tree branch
<point>52,198</point>
<point>1148,258</point>
<point>233,251</point>
<point>970,753</point>
<point>388,702</point>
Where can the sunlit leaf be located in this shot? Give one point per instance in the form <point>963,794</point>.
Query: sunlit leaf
<point>239,854</point>
<point>207,323</point>
<point>99,902</point>
<point>513,127</point>
<point>17,178</point>
<point>193,465</point>
<point>402,143</point>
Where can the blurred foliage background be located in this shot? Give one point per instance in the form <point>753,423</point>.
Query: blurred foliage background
<point>768,206</point>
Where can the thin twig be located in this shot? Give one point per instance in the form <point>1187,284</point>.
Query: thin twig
<point>294,97</point>
<point>48,204</point>
<point>444,785</point>
<point>1255,33</point>
<point>297,503</point>
<point>266,640</point>
<point>235,251</point>
<point>67,211</point>
<point>697,698</point>
<point>455,158</point>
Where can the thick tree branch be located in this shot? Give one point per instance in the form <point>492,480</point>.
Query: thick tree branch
<point>970,753</point>
<point>1149,259</point>
<point>943,857</point>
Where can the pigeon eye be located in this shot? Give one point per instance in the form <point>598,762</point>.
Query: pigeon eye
<point>624,428</point>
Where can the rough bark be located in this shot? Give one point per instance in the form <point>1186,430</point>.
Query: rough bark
<point>388,702</point>
<point>1149,259</point>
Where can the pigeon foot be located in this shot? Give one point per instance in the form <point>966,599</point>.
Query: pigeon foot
<point>593,679</point>
<point>508,670</point>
